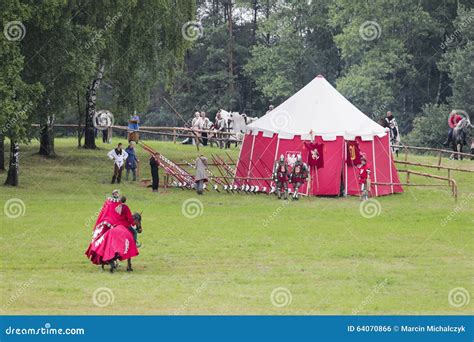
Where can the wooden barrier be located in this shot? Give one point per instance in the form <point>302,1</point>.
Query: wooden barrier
<point>429,149</point>
<point>451,182</point>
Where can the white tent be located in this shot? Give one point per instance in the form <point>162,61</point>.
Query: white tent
<point>321,108</point>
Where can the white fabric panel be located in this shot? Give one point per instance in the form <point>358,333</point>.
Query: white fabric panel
<point>320,107</point>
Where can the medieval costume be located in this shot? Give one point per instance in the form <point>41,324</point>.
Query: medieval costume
<point>453,120</point>
<point>133,128</point>
<point>391,124</point>
<point>364,179</point>
<point>220,126</point>
<point>201,174</point>
<point>114,213</point>
<point>132,161</point>
<point>118,156</point>
<point>299,174</point>
<point>280,176</point>
<point>155,177</point>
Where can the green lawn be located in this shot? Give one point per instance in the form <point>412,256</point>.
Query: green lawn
<point>326,256</point>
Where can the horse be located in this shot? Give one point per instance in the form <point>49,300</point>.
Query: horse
<point>117,244</point>
<point>459,136</point>
<point>236,124</point>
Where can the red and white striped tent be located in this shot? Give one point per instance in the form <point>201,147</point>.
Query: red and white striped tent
<point>336,123</point>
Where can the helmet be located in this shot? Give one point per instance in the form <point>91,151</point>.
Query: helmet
<point>298,158</point>
<point>282,157</point>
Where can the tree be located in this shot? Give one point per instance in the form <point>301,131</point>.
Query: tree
<point>294,45</point>
<point>144,41</point>
<point>457,61</point>
<point>17,96</point>
<point>55,57</point>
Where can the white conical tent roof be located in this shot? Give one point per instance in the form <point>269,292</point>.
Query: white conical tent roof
<point>321,108</point>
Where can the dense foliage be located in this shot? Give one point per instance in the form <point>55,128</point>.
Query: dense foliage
<point>63,59</point>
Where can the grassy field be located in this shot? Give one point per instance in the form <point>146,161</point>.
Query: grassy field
<point>244,255</point>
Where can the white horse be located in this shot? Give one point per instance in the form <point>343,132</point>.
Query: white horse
<point>236,123</point>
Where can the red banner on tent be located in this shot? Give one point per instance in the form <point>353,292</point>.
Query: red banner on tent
<point>353,153</point>
<point>315,154</point>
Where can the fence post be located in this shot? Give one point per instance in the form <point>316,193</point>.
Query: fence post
<point>439,159</point>
<point>174,136</point>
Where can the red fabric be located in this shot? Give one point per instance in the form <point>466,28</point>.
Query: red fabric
<point>243,165</point>
<point>363,173</point>
<point>113,213</point>
<point>258,153</point>
<point>353,153</point>
<point>107,208</point>
<point>315,154</point>
<point>118,240</point>
<point>454,120</point>
<point>383,168</point>
<point>263,159</point>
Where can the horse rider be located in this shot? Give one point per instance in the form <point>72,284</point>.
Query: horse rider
<point>280,176</point>
<point>364,178</point>
<point>453,120</point>
<point>391,124</point>
<point>298,175</point>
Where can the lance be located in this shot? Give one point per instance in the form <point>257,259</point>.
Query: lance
<point>198,140</point>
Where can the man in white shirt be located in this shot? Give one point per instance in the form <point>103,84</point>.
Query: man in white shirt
<point>119,156</point>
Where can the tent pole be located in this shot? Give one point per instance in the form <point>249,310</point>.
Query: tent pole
<point>345,167</point>
<point>390,162</point>
<point>375,166</point>
<point>251,156</point>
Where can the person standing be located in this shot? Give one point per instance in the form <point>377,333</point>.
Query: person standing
<point>220,126</point>
<point>196,127</point>
<point>364,178</point>
<point>392,125</point>
<point>298,176</point>
<point>132,161</point>
<point>155,176</point>
<point>133,127</point>
<point>201,173</point>
<point>280,176</point>
<point>118,156</point>
<point>205,125</point>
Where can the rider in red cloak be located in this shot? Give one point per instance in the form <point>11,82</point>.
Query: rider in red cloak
<point>111,235</point>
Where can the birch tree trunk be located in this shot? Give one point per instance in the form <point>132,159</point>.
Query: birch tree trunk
<point>12,176</point>
<point>91,101</point>
<point>2,152</point>
<point>47,137</point>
